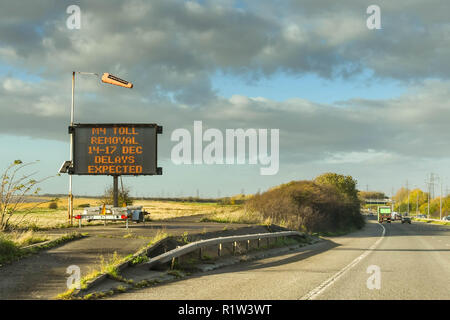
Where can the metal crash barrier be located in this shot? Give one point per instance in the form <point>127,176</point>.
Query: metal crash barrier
<point>110,213</point>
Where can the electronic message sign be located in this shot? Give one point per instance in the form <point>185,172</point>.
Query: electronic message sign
<point>115,149</point>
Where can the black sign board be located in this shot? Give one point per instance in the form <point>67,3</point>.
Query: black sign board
<point>115,149</point>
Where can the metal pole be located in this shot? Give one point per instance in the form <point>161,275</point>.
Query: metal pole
<point>440,203</point>
<point>429,196</point>
<point>407,190</point>
<point>116,190</point>
<point>417,203</point>
<point>70,200</point>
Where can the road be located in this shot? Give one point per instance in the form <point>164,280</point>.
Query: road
<point>413,260</point>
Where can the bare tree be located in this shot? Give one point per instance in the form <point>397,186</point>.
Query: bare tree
<point>123,196</point>
<point>16,190</point>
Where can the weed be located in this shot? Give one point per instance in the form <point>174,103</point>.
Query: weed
<point>161,234</point>
<point>206,257</point>
<point>176,273</point>
<point>139,259</point>
<point>184,237</point>
<point>66,295</point>
<point>120,289</point>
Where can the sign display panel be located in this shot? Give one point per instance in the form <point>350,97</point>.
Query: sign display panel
<point>115,149</point>
<point>385,210</point>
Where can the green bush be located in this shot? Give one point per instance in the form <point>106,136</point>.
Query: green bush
<point>84,205</point>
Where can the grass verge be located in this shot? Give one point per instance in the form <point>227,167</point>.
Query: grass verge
<point>238,215</point>
<point>11,250</point>
<point>443,223</point>
<point>110,268</point>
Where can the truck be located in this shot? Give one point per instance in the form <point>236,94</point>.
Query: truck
<point>384,214</point>
<point>396,216</point>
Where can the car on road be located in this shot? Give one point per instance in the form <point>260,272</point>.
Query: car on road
<point>447,218</point>
<point>421,216</point>
<point>406,219</point>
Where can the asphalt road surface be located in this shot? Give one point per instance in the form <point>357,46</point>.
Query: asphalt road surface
<point>389,261</point>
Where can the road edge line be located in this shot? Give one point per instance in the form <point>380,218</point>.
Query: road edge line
<point>327,283</point>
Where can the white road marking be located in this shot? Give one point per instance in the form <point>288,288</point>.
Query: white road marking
<point>326,284</point>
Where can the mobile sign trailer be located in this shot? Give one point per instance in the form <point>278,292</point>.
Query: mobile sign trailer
<point>110,213</point>
<point>384,214</point>
<point>115,150</point>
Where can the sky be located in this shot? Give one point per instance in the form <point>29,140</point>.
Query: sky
<point>370,103</point>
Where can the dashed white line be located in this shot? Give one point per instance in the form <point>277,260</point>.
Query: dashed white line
<point>326,284</point>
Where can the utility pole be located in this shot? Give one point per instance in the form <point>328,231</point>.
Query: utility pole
<point>440,202</point>
<point>428,213</point>
<point>407,192</point>
<point>417,203</point>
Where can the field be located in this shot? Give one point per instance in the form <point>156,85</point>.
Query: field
<point>38,216</point>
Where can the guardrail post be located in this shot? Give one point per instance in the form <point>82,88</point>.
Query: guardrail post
<point>259,243</point>
<point>248,245</point>
<point>172,264</point>
<point>219,252</point>
<point>200,255</point>
<point>234,247</point>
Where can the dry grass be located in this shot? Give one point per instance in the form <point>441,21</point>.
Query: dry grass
<point>161,210</point>
<point>238,215</point>
<point>160,234</point>
<point>42,218</point>
<point>22,239</point>
<point>61,202</point>
<point>27,238</point>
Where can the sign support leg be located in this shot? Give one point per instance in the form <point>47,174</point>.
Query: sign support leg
<point>116,190</point>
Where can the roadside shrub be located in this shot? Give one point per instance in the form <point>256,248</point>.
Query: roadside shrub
<point>53,205</point>
<point>84,205</point>
<point>124,197</point>
<point>309,206</point>
<point>8,249</point>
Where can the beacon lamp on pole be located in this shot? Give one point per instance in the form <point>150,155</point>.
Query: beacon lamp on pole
<point>67,165</point>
